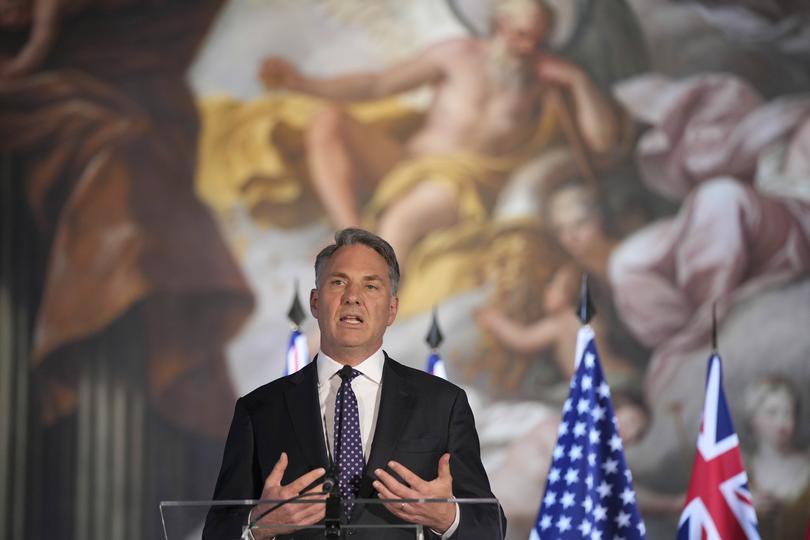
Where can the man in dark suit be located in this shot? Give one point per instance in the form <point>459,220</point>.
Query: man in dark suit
<point>398,433</point>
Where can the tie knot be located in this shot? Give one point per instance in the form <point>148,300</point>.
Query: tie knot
<point>347,373</point>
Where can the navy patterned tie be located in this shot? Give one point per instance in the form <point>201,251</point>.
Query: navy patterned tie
<point>348,442</point>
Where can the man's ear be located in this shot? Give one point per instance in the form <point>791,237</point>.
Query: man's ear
<point>313,302</point>
<point>393,307</point>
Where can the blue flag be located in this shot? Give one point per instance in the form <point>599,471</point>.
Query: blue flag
<point>297,352</point>
<point>435,366</point>
<point>589,490</point>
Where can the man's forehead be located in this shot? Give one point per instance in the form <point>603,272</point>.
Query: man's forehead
<point>358,259</point>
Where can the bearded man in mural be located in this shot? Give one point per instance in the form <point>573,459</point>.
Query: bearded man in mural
<point>497,102</point>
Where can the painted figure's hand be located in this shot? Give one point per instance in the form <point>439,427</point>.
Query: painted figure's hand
<point>278,73</point>
<point>557,70</point>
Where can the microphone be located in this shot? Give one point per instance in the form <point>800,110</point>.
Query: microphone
<point>331,485</point>
<point>330,478</point>
<point>329,482</point>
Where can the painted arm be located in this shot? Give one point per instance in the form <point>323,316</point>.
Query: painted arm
<point>535,337</point>
<point>594,113</point>
<point>425,68</point>
<point>44,28</point>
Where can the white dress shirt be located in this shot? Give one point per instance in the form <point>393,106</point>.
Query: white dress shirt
<point>367,387</point>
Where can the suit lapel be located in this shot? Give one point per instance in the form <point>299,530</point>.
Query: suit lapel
<point>395,409</point>
<point>304,409</point>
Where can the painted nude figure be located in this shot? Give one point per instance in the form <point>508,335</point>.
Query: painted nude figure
<point>488,99</point>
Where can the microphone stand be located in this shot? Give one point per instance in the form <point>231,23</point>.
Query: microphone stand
<point>333,509</point>
<point>332,521</point>
<point>331,485</point>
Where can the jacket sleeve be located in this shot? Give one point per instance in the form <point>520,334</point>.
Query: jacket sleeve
<point>239,478</point>
<point>469,477</point>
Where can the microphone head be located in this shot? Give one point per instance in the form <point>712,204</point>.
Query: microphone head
<point>330,479</point>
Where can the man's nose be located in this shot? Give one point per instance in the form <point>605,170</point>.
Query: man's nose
<point>351,295</point>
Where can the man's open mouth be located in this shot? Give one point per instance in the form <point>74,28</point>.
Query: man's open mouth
<point>351,319</point>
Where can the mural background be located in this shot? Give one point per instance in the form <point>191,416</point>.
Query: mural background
<point>157,215</point>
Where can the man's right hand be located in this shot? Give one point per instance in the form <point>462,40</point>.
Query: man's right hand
<point>292,516</point>
<point>278,73</point>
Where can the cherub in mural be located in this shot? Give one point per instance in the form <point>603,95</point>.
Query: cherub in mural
<point>492,110</point>
<point>552,332</point>
<point>582,224</point>
<point>585,228</point>
<point>778,470</point>
<point>556,331</point>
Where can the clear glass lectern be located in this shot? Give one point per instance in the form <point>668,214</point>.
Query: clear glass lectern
<point>229,520</point>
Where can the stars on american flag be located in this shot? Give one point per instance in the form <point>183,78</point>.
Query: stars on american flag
<point>589,491</point>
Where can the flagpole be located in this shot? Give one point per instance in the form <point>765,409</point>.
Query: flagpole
<point>589,490</point>
<point>718,503</point>
<point>297,354</point>
<point>434,338</point>
<point>585,309</point>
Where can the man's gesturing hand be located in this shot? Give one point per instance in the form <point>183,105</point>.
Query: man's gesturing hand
<point>437,516</point>
<point>297,514</point>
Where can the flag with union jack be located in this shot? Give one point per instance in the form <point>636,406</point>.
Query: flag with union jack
<point>297,352</point>
<point>589,491</point>
<point>718,503</point>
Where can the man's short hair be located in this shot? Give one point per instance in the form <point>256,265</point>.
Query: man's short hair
<point>351,237</point>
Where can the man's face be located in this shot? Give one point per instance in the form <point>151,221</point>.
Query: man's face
<point>523,35</point>
<point>353,304</point>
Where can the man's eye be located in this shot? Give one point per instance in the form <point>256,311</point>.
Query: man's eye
<point>373,287</point>
<point>337,282</point>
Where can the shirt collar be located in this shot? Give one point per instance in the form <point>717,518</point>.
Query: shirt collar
<point>371,367</point>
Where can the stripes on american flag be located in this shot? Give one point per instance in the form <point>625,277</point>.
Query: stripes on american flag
<point>589,490</point>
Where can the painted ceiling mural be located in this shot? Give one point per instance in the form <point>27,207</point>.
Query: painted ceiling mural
<point>182,177</point>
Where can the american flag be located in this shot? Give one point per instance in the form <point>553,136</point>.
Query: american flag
<point>718,503</point>
<point>297,353</point>
<point>589,491</point>
<point>435,366</point>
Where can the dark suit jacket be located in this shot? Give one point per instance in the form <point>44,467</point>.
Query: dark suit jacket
<point>420,418</point>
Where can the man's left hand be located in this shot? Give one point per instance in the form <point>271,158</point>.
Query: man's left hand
<point>437,516</point>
